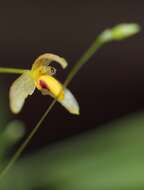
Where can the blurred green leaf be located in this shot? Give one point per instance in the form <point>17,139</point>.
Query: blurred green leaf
<point>110,158</point>
<point>10,135</point>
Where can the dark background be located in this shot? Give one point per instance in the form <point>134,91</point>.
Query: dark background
<point>109,86</point>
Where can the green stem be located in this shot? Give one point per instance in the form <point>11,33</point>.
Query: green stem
<point>84,58</point>
<point>12,70</point>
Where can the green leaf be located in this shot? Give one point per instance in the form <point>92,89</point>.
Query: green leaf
<point>110,158</point>
<point>10,135</point>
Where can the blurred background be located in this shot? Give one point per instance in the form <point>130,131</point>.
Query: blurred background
<point>109,87</point>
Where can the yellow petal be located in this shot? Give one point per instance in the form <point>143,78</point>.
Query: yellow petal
<point>48,84</point>
<point>19,91</point>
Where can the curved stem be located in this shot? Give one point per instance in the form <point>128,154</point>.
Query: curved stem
<point>12,70</point>
<point>84,58</point>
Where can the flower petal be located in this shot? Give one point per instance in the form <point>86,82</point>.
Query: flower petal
<point>48,85</point>
<point>47,58</point>
<point>70,102</point>
<point>19,91</point>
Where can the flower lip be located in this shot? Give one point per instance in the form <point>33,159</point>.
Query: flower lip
<point>52,86</point>
<point>43,85</point>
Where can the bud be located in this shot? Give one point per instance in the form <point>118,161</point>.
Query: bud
<point>123,31</point>
<point>119,32</point>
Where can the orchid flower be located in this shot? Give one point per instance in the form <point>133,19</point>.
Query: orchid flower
<point>41,76</point>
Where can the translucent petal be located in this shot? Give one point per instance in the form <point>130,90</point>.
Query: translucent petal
<point>19,91</point>
<point>70,102</point>
<point>47,58</point>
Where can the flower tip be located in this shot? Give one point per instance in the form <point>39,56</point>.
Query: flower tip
<point>64,63</point>
<point>76,112</point>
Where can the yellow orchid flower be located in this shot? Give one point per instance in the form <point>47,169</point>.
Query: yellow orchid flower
<point>41,77</point>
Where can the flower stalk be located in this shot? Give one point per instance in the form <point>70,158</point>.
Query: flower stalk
<point>12,70</point>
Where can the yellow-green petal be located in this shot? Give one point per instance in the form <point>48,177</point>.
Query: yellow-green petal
<point>70,102</point>
<point>47,58</point>
<point>19,91</point>
<point>49,85</point>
